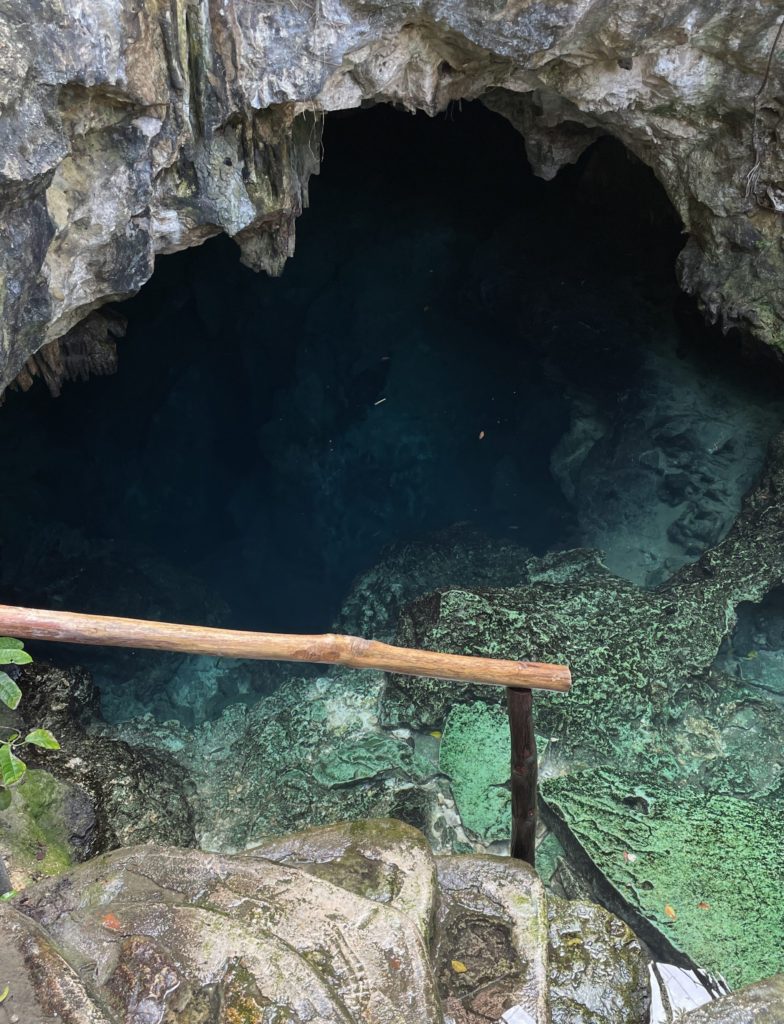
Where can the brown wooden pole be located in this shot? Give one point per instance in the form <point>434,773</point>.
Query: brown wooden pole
<point>327,648</point>
<point>525,771</point>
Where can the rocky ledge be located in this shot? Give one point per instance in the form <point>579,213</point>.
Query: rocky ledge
<point>348,923</point>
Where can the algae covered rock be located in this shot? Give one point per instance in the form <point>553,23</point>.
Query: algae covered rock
<point>475,755</point>
<point>48,828</point>
<point>700,877</point>
<point>139,796</point>
<point>310,754</point>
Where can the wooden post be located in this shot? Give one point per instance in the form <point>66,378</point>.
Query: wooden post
<point>326,648</point>
<point>524,773</point>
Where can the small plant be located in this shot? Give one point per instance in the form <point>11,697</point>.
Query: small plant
<point>12,767</point>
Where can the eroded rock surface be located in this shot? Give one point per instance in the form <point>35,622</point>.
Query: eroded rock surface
<point>648,703</point>
<point>128,132</point>
<point>351,923</point>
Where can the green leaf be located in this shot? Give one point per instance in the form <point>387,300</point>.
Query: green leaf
<point>14,656</point>
<point>10,694</point>
<point>11,768</point>
<point>42,738</point>
<point>8,641</point>
<point>4,994</point>
<point>5,799</point>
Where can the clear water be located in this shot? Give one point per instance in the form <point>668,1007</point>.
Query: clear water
<point>454,342</point>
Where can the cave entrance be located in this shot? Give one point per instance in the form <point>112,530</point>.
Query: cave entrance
<point>460,358</point>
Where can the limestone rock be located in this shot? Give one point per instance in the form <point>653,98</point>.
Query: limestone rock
<point>762,1003</point>
<point>130,132</point>
<point>492,951</point>
<point>349,923</point>
<point>598,973</point>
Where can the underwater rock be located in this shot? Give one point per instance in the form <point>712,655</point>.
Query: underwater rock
<point>660,478</point>
<point>647,701</point>
<point>474,753</point>
<point>49,827</point>
<point>635,654</point>
<point>460,556</point>
<point>311,753</point>
<point>149,932</point>
<point>698,877</point>
<point>138,795</point>
<point>761,1003</point>
<point>78,572</point>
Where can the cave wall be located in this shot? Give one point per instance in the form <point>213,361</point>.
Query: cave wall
<point>135,127</point>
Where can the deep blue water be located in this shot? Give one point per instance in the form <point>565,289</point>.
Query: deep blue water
<point>454,341</point>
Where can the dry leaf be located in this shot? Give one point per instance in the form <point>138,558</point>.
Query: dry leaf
<point>702,905</point>
<point>459,967</point>
<point>670,912</point>
<point>111,921</point>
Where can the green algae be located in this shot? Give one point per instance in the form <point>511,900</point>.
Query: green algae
<point>475,755</point>
<point>707,871</point>
<point>34,832</point>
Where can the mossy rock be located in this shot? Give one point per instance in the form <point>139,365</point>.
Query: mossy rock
<point>700,876</point>
<point>46,830</point>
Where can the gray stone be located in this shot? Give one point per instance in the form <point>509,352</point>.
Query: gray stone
<point>348,923</point>
<point>761,1003</point>
<point>130,132</point>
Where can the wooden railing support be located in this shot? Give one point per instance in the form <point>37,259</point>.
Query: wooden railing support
<point>525,772</point>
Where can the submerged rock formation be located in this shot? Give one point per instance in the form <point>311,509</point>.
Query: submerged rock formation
<point>131,130</point>
<point>672,730</point>
<point>354,923</point>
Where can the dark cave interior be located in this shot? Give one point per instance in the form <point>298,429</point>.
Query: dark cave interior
<point>455,341</point>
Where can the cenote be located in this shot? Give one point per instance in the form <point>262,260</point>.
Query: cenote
<point>467,383</point>
<point>456,344</point>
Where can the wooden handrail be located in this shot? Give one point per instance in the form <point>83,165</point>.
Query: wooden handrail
<point>327,648</point>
